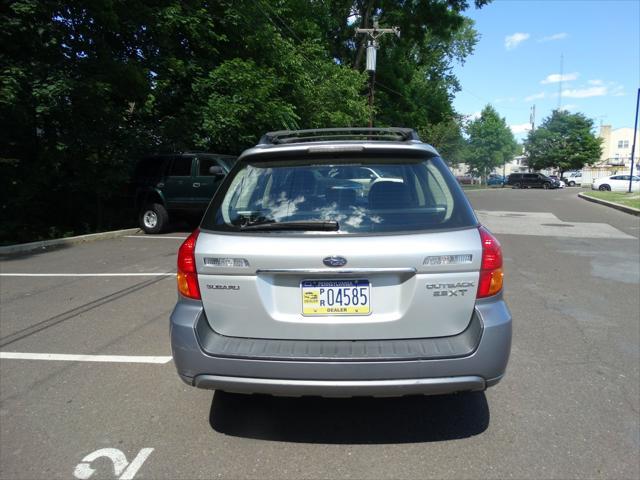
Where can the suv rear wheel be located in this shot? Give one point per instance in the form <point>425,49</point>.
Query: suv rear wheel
<point>604,188</point>
<point>517,185</point>
<point>153,218</point>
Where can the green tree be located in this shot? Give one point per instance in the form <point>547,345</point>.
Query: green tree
<point>87,87</point>
<point>447,137</point>
<point>564,141</point>
<point>490,144</point>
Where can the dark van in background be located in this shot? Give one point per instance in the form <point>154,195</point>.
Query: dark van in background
<point>170,186</point>
<point>531,180</point>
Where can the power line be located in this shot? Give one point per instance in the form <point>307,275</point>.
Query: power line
<point>484,100</point>
<point>279,29</point>
<point>282,22</point>
<point>391,90</point>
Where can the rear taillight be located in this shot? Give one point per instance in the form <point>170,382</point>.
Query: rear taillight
<point>491,274</point>
<point>187,275</point>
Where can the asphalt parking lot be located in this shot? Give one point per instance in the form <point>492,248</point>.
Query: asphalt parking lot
<point>568,407</point>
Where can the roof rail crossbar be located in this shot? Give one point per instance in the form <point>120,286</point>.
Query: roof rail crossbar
<point>354,133</point>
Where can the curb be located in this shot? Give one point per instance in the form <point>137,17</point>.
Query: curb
<point>617,206</point>
<point>484,189</point>
<point>43,244</point>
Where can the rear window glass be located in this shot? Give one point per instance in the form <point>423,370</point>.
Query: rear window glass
<point>367,196</point>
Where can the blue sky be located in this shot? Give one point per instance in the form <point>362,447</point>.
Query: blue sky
<point>516,63</point>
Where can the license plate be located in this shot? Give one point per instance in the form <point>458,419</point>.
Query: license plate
<point>336,297</point>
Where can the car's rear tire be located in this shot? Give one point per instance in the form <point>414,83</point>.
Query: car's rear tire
<point>572,184</point>
<point>604,188</point>
<point>153,218</point>
<point>517,185</point>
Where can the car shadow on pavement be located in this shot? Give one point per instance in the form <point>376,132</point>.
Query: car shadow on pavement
<point>350,420</point>
<point>8,257</point>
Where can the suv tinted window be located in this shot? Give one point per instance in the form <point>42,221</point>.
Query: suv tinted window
<point>150,167</point>
<point>181,167</point>
<point>531,176</point>
<point>205,164</point>
<point>421,196</point>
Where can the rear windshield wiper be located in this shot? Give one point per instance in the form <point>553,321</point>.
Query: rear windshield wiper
<point>316,225</point>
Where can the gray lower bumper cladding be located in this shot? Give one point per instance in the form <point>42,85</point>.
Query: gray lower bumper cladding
<point>341,388</point>
<point>473,360</point>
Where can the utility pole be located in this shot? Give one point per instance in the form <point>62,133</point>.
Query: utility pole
<point>532,118</point>
<point>635,134</point>
<point>372,47</point>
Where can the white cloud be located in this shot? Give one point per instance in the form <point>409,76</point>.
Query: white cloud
<point>512,41</point>
<point>505,100</point>
<point>595,82</point>
<point>585,92</point>
<point>618,91</point>
<point>520,128</point>
<point>555,36</point>
<point>556,77</point>
<point>535,96</point>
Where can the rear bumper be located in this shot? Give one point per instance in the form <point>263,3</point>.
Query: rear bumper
<point>341,388</point>
<point>476,359</point>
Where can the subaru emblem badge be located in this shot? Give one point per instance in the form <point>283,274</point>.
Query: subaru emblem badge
<point>334,261</point>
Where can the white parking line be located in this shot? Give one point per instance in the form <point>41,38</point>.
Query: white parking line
<point>154,236</point>
<point>149,274</point>
<point>83,358</point>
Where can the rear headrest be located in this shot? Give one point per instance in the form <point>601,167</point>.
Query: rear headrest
<point>343,197</point>
<point>389,195</point>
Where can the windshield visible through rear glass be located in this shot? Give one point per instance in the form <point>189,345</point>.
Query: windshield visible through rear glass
<point>369,196</point>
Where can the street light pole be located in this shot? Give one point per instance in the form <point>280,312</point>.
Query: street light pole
<point>633,148</point>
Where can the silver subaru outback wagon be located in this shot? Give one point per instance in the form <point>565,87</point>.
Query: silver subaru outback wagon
<point>340,262</point>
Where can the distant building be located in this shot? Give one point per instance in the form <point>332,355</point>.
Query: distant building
<point>516,165</point>
<point>616,147</point>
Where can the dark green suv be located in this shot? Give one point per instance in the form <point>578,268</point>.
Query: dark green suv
<point>176,185</point>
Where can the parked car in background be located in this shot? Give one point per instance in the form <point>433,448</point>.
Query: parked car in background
<point>572,178</point>
<point>561,183</point>
<point>360,179</point>
<point>495,180</point>
<point>531,180</point>
<point>616,183</point>
<point>292,286</point>
<point>176,185</point>
<point>464,179</point>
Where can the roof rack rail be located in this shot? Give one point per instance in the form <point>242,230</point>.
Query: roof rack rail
<point>349,133</point>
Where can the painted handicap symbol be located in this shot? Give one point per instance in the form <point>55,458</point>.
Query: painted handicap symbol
<point>122,469</point>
